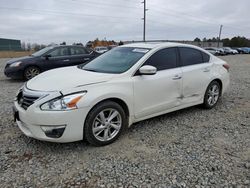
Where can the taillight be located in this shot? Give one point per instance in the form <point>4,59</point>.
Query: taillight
<point>226,66</point>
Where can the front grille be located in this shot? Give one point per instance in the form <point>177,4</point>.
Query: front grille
<point>25,100</point>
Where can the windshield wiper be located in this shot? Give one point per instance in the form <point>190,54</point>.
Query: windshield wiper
<point>92,70</point>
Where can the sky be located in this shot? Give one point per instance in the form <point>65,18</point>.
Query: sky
<point>55,21</point>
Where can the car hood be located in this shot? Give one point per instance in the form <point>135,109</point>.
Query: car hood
<point>25,58</point>
<point>65,78</point>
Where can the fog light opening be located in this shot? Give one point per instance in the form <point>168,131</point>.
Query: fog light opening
<point>53,131</point>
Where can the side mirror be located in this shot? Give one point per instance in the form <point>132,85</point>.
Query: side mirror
<point>147,70</point>
<point>47,56</point>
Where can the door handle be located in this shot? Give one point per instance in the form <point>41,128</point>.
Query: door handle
<point>177,77</point>
<point>206,70</point>
<point>86,59</point>
<point>65,60</point>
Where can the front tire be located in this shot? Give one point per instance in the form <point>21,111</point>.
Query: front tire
<point>104,123</point>
<point>212,95</point>
<point>31,72</point>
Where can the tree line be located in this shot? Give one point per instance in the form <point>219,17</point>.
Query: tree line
<point>233,42</point>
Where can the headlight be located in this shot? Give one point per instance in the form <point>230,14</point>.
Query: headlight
<point>68,102</point>
<point>18,93</point>
<point>16,64</point>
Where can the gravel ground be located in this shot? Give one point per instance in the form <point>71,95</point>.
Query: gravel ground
<point>189,148</point>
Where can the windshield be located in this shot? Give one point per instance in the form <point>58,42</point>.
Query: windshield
<point>42,51</point>
<point>117,60</point>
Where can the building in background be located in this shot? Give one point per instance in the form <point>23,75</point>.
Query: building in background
<point>10,45</point>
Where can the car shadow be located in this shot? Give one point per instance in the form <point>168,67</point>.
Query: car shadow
<point>11,80</point>
<point>145,125</point>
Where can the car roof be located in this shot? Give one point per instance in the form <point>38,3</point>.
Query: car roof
<point>152,45</point>
<point>56,46</point>
<point>101,47</point>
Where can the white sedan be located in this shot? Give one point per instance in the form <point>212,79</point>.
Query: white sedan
<point>101,49</point>
<point>98,100</point>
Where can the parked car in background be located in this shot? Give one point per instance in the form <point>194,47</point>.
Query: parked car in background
<point>222,52</point>
<point>235,51</point>
<point>111,47</point>
<point>213,51</point>
<point>48,58</point>
<point>247,50</point>
<point>229,50</point>
<point>101,49</point>
<point>130,83</point>
<point>240,50</point>
<point>243,50</point>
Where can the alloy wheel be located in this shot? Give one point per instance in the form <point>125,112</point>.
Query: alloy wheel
<point>213,94</point>
<point>31,72</point>
<point>107,124</point>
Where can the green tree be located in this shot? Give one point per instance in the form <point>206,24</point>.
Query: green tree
<point>197,39</point>
<point>226,42</point>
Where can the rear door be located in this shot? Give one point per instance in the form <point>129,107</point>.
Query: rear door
<point>196,72</point>
<point>79,55</point>
<point>157,93</point>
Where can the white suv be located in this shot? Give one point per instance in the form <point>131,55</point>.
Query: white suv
<point>128,84</point>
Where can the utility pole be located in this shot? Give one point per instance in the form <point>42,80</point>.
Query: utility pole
<point>218,45</point>
<point>144,21</point>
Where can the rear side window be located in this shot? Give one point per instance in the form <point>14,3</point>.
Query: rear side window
<point>163,59</point>
<point>77,51</point>
<point>206,57</point>
<point>190,56</point>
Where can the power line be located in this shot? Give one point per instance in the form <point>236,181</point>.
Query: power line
<point>182,15</point>
<point>84,2</point>
<point>169,12</point>
<point>66,13</point>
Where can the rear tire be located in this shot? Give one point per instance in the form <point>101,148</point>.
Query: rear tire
<point>31,72</point>
<point>212,95</point>
<point>104,123</point>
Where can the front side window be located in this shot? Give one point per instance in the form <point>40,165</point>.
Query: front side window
<point>163,59</point>
<point>190,56</point>
<point>42,51</point>
<point>59,52</point>
<point>117,60</point>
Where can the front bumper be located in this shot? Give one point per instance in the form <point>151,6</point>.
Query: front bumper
<point>32,120</point>
<point>14,72</point>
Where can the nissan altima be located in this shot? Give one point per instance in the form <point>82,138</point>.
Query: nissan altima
<point>130,83</point>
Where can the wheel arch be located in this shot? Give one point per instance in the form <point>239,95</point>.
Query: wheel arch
<point>117,100</point>
<point>220,82</point>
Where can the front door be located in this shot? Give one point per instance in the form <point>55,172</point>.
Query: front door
<point>57,58</point>
<point>156,93</point>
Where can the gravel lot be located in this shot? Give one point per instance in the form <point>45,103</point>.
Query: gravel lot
<point>189,148</point>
